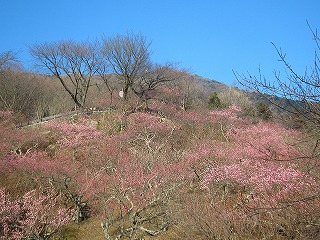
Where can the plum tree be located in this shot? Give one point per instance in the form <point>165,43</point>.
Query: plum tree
<point>33,216</point>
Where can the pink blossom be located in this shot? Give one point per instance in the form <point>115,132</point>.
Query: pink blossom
<point>260,157</point>
<point>74,134</point>
<point>6,114</point>
<point>31,216</point>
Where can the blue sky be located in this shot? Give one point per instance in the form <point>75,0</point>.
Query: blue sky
<point>210,38</point>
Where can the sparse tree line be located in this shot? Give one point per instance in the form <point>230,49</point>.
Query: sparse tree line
<point>94,73</point>
<point>120,64</point>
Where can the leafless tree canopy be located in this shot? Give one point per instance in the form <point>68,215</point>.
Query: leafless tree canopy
<point>156,75</point>
<point>8,59</point>
<point>296,94</point>
<point>128,56</point>
<point>74,64</point>
<point>121,60</point>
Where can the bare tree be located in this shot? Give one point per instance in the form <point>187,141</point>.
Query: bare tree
<point>26,93</point>
<point>110,82</point>
<point>147,82</point>
<point>7,59</point>
<point>297,97</point>
<point>128,56</point>
<point>297,94</point>
<point>150,220</point>
<point>106,76</point>
<point>20,92</point>
<point>74,64</point>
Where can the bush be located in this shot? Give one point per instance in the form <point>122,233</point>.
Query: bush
<point>264,111</point>
<point>214,101</point>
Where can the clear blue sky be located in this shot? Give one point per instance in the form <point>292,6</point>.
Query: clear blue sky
<point>208,37</point>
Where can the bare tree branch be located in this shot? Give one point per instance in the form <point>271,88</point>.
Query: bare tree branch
<point>128,56</point>
<point>74,64</point>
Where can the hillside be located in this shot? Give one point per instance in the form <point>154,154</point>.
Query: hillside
<point>36,96</point>
<point>210,85</point>
<point>173,156</point>
<point>166,174</point>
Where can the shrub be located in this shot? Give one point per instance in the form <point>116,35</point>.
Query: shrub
<point>214,101</point>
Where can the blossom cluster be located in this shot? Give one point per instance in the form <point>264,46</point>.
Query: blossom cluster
<point>34,215</point>
<point>260,157</point>
<point>74,134</point>
<point>230,113</point>
<point>143,121</point>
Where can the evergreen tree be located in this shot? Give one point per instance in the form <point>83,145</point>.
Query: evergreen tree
<point>264,111</point>
<point>214,101</point>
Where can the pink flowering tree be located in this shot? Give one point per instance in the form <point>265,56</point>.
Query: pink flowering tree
<point>90,166</point>
<point>264,161</point>
<point>51,157</point>
<point>134,195</point>
<point>77,153</point>
<point>33,216</point>
<point>253,178</point>
<point>137,187</point>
